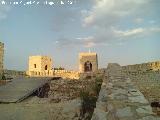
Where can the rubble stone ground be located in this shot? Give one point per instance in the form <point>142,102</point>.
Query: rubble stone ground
<point>67,89</point>
<point>40,109</point>
<point>148,83</point>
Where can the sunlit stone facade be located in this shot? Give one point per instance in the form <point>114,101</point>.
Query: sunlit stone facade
<point>40,66</point>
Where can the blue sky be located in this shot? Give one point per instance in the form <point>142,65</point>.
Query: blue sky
<point>122,31</point>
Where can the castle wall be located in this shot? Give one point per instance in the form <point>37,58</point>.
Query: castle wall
<point>1,58</point>
<point>120,99</point>
<point>55,73</point>
<point>150,66</point>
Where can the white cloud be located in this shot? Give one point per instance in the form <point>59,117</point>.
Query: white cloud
<point>87,41</point>
<point>114,20</point>
<point>129,32</point>
<point>135,33</point>
<point>90,44</point>
<point>113,36</point>
<point>155,29</point>
<point>109,12</point>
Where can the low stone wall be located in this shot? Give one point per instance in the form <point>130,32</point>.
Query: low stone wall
<point>150,66</point>
<point>68,74</point>
<point>45,73</point>
<point>120,99</point>
<point>55,73</point>
<point>14,73</point>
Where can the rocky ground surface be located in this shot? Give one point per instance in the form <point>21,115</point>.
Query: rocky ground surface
<point>67,89</point>
<point>63,103</point>
<point>148,83</point>
<point>41,109</point>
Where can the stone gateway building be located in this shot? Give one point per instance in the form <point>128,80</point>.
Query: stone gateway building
<point>1,58</point>
<point>88,62</point>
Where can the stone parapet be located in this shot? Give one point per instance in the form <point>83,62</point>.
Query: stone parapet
<point>120,99</point>
<point>150,66</point>
<point>55,73</point>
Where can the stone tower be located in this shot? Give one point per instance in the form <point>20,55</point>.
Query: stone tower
<point>1,58</point>
<point>40,65</point>
<point>88,62</point>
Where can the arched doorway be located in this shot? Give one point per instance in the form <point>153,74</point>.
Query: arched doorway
<point>87,66</point>
<point>46,67</point>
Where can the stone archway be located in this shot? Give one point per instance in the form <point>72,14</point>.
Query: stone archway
<point>87,66</point>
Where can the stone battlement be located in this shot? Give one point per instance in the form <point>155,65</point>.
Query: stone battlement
<point>150,66</point>
<point>87,54</point>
